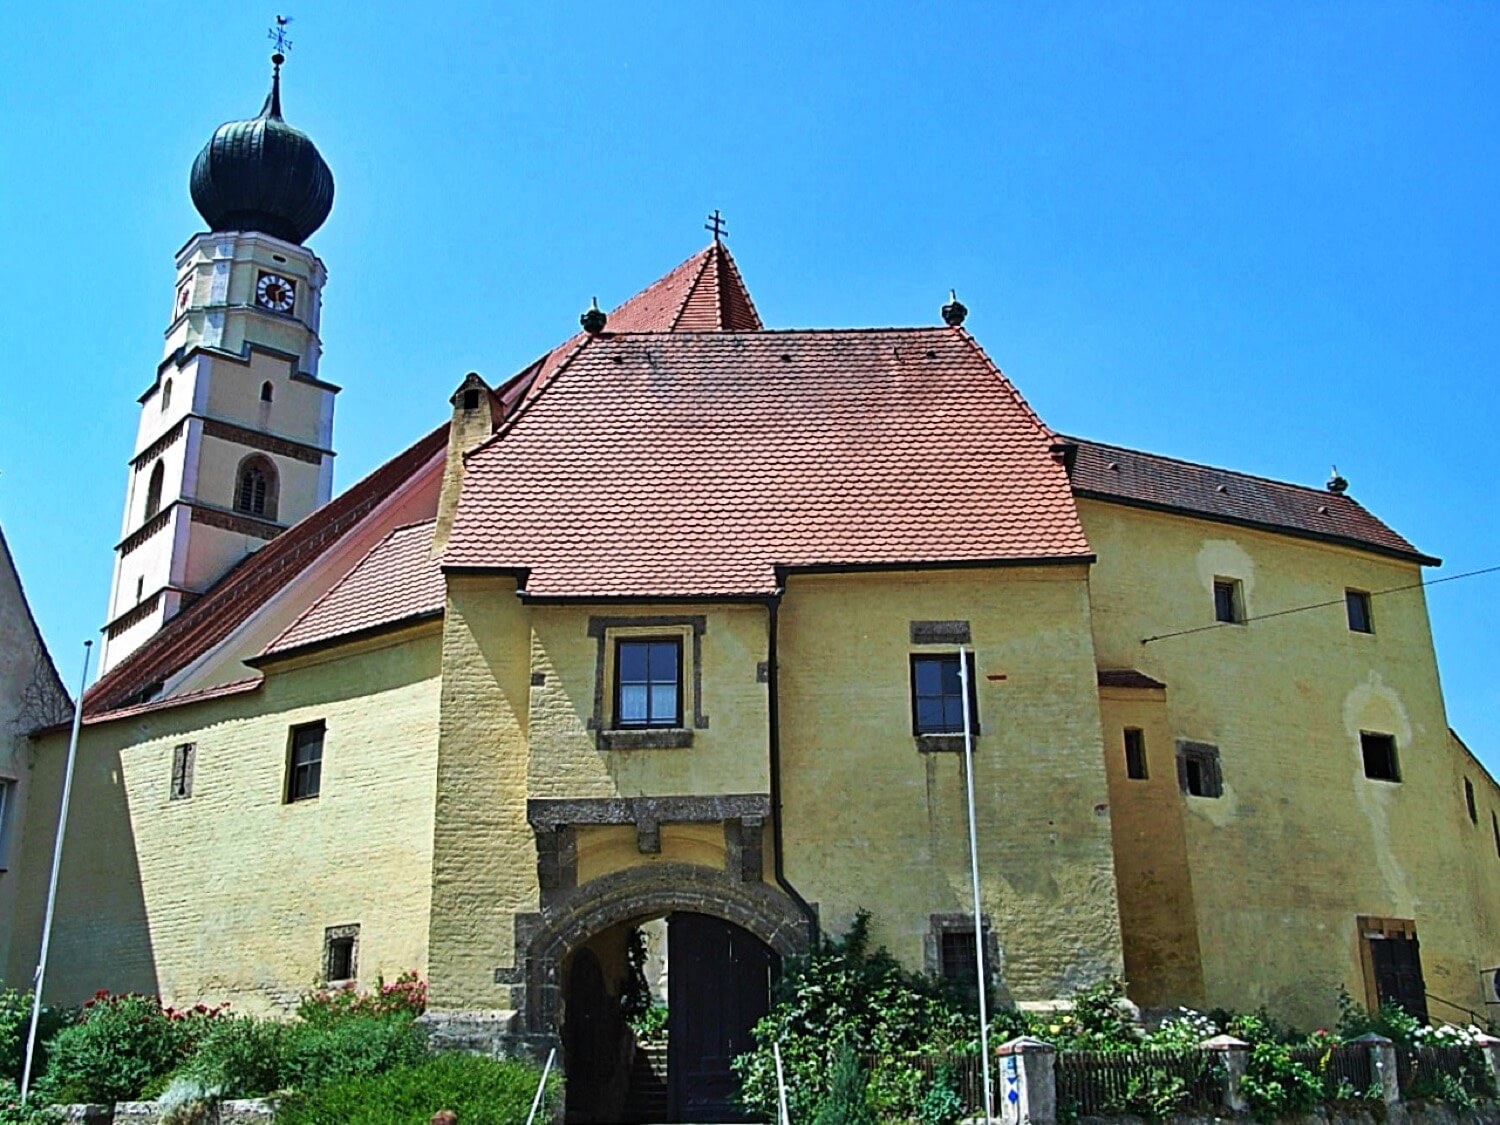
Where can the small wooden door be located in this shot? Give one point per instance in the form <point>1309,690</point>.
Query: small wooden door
<point>719,979</point>
<point>1398,973</point>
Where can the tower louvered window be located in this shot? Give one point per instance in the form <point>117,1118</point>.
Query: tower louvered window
<point>255,490</point>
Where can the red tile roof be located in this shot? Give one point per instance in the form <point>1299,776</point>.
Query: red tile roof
<point>252,583</point>
<point>1128,476</point>
<point>397,581</point>
<point>695,464</point>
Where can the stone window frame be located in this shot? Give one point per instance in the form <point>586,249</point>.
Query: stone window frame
<point>184,761</point>
<point>1210,768</point>
<point>606,631</point>
<point>618,721</point>
<point>940,635</point>
<point>334,938</point>
<point>940,926</point>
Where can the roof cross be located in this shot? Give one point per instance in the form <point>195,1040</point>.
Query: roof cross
<point>716,224</point>
<point>277,35</point>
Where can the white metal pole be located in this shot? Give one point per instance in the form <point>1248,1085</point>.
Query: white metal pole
<point>984,1013</point>
<point>541,1087</point>
<point>784,1118</point>
<point>57,846</point>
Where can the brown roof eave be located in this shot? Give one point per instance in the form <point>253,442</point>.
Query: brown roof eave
<point>1257,525</point>
<point>269,659</point>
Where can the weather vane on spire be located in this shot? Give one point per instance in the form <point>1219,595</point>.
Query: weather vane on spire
<point>716,224</point>
<point>277,35</point>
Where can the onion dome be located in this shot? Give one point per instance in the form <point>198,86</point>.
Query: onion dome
<point>263,175</point>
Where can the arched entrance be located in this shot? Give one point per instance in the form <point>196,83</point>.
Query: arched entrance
<point>724,944</point>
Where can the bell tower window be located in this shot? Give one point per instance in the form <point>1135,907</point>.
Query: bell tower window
<point>153,489</point>
<point>255,488</point>
<point>166,395</point>
<point>267,392</point>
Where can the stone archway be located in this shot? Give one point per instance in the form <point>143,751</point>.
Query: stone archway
<point>573,918</point>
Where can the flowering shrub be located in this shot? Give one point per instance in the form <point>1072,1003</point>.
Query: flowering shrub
<point>120,1046</point>
<point>406,996</point>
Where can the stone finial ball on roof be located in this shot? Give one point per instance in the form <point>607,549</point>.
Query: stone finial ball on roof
<point>263,175</point>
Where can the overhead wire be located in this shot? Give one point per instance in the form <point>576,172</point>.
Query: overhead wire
<point>1321,605</point>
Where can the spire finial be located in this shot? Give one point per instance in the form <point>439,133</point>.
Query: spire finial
<point>278,36</point>
<point>954,311</point>
<point>716,224</point>
<point>593,320</point>
<point>1337,484</point>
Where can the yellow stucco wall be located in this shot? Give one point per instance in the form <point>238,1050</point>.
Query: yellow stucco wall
<point>872,823</point>
<point>1301,842</point>
<point>225,895</point>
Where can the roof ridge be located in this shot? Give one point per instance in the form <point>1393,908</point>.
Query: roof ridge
<point>1005,381</point>
<point>687,297</point>
<point>1312,488</point>
<point>726,261</point>
<point>328,593</point>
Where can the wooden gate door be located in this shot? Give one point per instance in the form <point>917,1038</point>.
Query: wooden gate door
<point>719,979</point>
<point>1398,974</point>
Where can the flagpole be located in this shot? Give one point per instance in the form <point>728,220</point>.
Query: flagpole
<point>984,1014</point>
<point>57,846</point>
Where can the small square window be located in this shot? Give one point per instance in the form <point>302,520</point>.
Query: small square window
<point>1229,605</point>
<point>183,759</point>
<point>1198,770</point>
<point>648,683</point>
<point>340,954</point>
<point>305,765</point>
<point>1135,754</point>
<point>937,695</point>
<point>1357,602</point>
<point>1469,801</point>
<point>1379,752</point>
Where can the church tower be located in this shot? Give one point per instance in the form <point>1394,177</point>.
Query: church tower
<point>235,441</point>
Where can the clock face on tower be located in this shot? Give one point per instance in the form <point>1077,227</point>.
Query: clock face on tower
<point>275,293</point>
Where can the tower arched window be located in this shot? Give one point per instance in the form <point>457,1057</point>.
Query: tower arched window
<point>267,392</point>
<point>153,490</point>
<point>255,488</point>
<point>166,395</point>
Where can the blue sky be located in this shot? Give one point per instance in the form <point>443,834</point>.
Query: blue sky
<point>1260,236</point>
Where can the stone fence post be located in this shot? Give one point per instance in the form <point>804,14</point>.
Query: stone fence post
<point>1027,1082</point>
<point>1236,1055</point>
<point>1491,1048</point>
<point>1383,1066</point>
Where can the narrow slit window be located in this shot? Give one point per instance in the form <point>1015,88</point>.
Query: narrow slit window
<point>1469,801</point>
<point>1379,751</point>
<point>267,391</point>
<point>1135,754</point>
<point>1357,602</point>
<point>1495,828</point>
<point>1228,603</point>
<point>183,759</point>
<point>305,766</point>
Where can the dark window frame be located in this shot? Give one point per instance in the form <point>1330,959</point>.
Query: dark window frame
<point>1362,618</point>
<point>1378,751</point>
<point>1229,598</point>
<point>1200,770</point>
<point>297,789</point>
<point>618,720</point>
<point>923,657</point>
<point>1135,754</point>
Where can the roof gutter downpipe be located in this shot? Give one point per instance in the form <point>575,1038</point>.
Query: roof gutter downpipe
<point>773,711</point>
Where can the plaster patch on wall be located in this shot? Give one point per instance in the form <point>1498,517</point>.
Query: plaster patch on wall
<point>1224,558</point>
<point>1373,706</point>
<point>1218,811</point>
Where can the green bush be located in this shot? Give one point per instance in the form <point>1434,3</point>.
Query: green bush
<point>942,1104</point>
<point>15,1020</point>
<point>482,1091</point>
<point>12,1112</point>
<point>844,1103</point>
<point>845,994</point>
<point>1276,1085</point>
<point>249,1058</point>
<point>120,1046</point>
